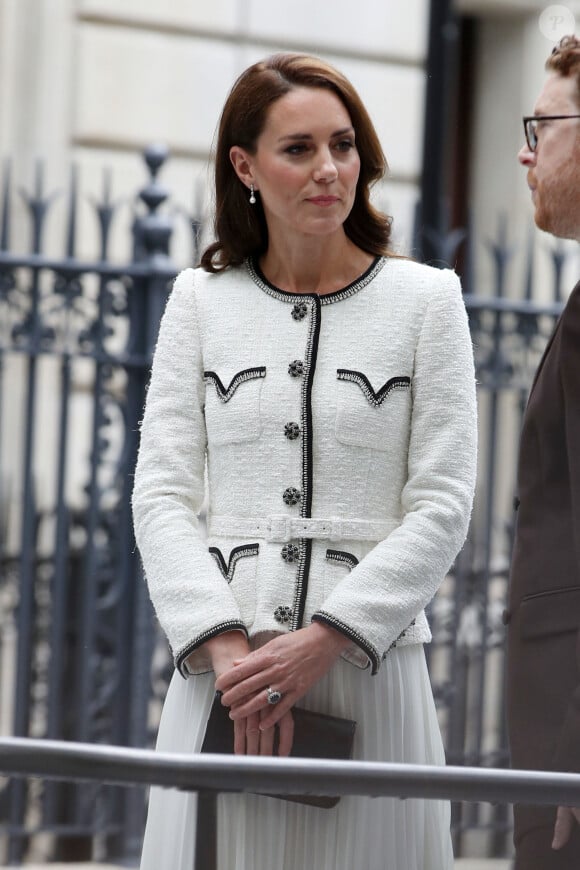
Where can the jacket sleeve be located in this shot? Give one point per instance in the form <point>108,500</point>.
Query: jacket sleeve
<point>389,588</point>
<point>567,756</point>
<point>191,597</point>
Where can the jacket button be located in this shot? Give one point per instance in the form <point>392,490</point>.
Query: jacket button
<point>300,311</point>
<point>291,431</point>
<point>516,503</point>
<point>290,552</point>
<point>296,368</point>
<point>291,495</point>
<point>506,617</point>
<point>283,614</point>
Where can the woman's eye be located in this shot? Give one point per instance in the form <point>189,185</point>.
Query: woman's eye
<point>296,149</point>
<point>344,145</point>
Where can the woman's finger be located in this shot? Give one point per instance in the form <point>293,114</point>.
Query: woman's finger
<point>254,663</point>
<point>240,736</point>
<point>248,689</point>
<point>273,714</point>
<point>285,733</point>
<point>254,702</point>
<point>248,706</point>
<point>267,741</point>
<point>259,704</point>
<point>253,735</point>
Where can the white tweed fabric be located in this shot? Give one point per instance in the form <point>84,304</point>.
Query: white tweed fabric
<point>377,381</point>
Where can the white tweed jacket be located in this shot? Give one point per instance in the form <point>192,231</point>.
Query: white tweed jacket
<point>340,439</point>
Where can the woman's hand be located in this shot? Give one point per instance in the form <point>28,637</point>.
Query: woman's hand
<point>290,663</point>
<point>251,739</point>
<point>224,649</point>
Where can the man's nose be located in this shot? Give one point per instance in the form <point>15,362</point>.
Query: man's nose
<point>526,156</point>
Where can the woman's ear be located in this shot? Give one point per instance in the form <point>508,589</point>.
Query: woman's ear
<point>242,163</point>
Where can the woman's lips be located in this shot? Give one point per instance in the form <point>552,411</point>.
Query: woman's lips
<point>323,200</point>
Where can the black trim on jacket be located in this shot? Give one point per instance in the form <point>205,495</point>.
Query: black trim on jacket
<point>307,436</point>
<point>367,648</point>
<point>226,393</point>
<point>236,554</point>
<point>231,625</point>
<point>342,557</point>
<point>398,383</point>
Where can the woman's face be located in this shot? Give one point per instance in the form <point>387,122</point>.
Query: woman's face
<point>306,165</point>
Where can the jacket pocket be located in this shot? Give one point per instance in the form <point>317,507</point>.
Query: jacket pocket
<point>550,612</point>
<point>232,413</point>
<point>339,563</point>
<point>373,414</point>
<point>240,572</point>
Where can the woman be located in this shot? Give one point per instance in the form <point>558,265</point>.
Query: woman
<point>329,384</point>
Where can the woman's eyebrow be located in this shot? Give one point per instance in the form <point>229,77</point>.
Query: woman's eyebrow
<point>301,136</point>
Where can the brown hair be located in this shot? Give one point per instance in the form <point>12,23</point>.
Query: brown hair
<point>565,60</point>
<point>240,228</point>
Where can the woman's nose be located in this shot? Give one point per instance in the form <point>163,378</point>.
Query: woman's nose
<point>325,169</point>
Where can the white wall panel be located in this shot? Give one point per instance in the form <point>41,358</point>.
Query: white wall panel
<point>210,14</point>
<point>387,27</point>
<point>135,87</point>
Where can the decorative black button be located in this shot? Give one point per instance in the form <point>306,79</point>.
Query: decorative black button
<point>283,614</point>
<point>291,495</point>
<point>506,616</point>
<point>300,311</point>
<point>290,552</point>
<point>296,368</point>
<point>291,431</point>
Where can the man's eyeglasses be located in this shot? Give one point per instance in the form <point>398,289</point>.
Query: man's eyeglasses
<point>531,126</point>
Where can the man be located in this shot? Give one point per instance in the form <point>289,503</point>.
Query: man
<point>544,606</point>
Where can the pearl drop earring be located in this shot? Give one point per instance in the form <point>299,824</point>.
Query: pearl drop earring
<point>252,195</point>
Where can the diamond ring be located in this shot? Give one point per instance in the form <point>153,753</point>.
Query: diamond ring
<point>274,696</point>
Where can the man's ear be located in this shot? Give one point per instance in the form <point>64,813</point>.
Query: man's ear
<point>242,163</point>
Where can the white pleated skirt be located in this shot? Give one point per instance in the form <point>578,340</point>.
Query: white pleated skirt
<point>396,722</point>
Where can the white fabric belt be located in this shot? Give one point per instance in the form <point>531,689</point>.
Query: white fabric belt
<point>283,529</point>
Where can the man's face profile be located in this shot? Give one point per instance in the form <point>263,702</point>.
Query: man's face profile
<point>554,166</point>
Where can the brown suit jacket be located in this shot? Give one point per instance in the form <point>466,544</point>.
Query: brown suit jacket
<point>543,686</point>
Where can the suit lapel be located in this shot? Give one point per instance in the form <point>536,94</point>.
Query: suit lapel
<point>550,343</point>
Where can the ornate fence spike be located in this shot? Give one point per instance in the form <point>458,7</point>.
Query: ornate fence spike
<point>529,276</point>
<point>105,210</point>
<point>153,231</point>
<point>153,194</point>
<point>502,253</point>
<point>559,257</point>
<point>5,219</point>
<point>38,206</point>
<point>72,213</point>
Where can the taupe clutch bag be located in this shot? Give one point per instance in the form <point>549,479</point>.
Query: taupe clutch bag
<point>316,735</point>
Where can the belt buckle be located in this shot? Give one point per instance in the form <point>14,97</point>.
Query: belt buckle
<point>279,529</point>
